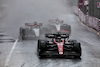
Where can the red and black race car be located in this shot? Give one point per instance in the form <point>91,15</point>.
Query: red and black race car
<point>30,31</point>
<point>58,45</point>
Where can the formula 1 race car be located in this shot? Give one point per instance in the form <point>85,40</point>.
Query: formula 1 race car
<point>30,31</point>
<point>58,26</point>
<point>58,45</point>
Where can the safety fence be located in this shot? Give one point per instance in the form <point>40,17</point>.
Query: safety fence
<point>90,21</point>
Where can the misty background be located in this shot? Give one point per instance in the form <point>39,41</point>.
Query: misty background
<point>15,13</point>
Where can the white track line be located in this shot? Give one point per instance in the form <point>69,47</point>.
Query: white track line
<point>10,53</point>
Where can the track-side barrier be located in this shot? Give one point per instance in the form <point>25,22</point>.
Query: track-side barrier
<point>90,21</point>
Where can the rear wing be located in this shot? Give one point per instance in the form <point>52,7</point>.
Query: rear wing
<point>57,35</point>
<point>32,24</point>
<point>56,21</point>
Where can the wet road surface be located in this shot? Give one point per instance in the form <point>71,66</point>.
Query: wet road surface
<point>24,53</point>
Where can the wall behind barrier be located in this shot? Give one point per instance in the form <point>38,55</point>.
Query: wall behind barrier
<point>93,10</point>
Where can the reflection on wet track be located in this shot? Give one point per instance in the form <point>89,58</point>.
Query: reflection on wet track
<point>19,12</point>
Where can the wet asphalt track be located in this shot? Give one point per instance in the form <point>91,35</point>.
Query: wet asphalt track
<point>24,53</point>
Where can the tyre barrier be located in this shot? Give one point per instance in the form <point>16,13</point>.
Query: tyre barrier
<point>89,21</point>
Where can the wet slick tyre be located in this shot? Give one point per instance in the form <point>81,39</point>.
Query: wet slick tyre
<point>22,33</point>
<point>41,48</point>
<point>72,41</point>
<point>77,49</point>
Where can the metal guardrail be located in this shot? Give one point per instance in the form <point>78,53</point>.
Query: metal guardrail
<point>89,21</point>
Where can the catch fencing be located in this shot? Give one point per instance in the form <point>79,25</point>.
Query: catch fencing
<point>89,21</point>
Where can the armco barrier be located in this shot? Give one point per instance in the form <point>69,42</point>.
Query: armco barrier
<point>95,24</point>
<point>99,26</point>
<point>79,14</point>
<point>90,21</point>
<point>82,17</point>
<point>86,19</point>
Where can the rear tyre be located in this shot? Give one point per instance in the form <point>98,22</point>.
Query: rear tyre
<point>22,34</point>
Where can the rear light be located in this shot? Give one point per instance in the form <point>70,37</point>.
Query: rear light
<point>64,31</point>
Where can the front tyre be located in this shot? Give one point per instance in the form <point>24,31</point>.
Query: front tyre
<point>77,49</point>
<point>41,48</point>
<point>72,41</point>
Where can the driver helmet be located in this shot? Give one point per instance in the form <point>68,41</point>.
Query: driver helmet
<point>58,39</point>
